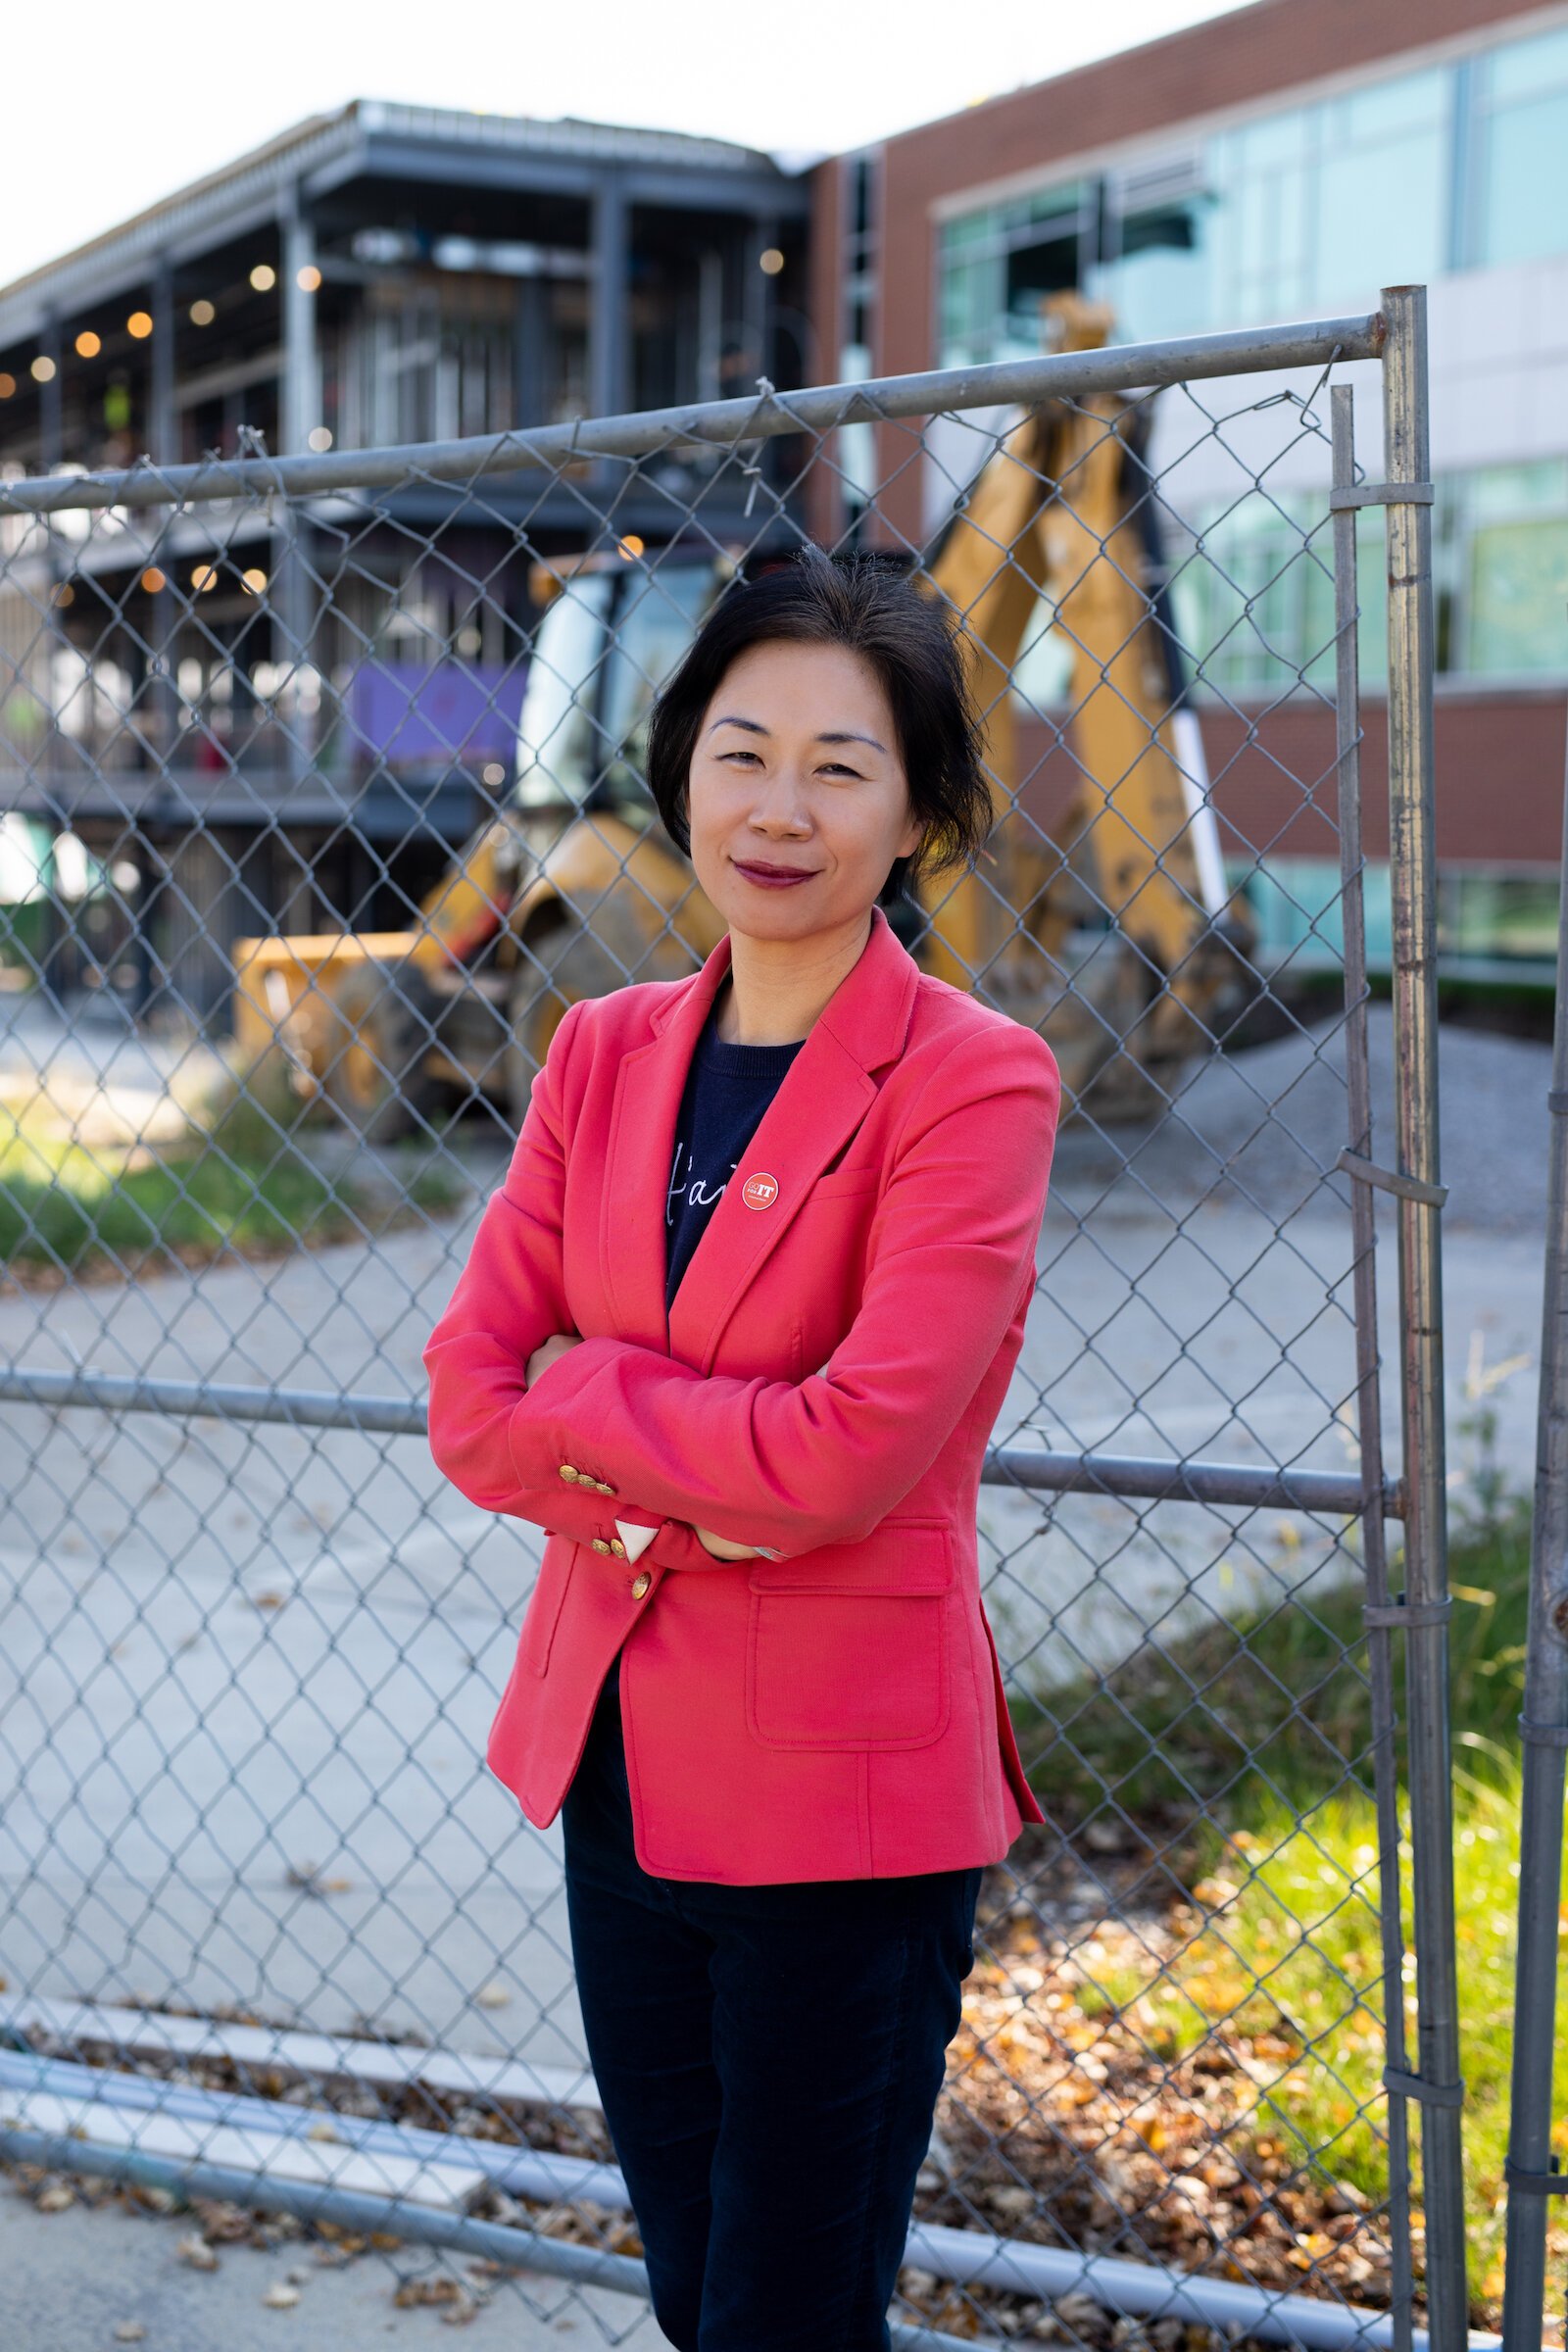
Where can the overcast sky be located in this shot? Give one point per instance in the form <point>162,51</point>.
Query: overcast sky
<point>111,107</point>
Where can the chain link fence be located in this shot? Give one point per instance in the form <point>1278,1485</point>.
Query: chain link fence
<point>322,801</point>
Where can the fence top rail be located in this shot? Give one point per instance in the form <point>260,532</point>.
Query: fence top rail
<point>714,425</point>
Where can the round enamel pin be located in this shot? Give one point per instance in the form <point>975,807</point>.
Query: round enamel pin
<point>760,1192</point>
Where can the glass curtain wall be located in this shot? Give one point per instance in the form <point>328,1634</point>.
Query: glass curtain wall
<point>1461,166</point>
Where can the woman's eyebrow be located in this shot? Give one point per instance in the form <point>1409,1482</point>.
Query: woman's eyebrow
<point>830,735</point>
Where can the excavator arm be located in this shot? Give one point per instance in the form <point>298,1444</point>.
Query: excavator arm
<point>1061,512</point>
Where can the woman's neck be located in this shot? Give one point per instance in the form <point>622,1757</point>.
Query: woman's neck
<point>775,988</point>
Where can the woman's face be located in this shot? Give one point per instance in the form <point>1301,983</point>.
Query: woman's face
<point>796,769</point>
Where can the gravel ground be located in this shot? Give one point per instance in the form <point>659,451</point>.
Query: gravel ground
<point>1262,1125</point>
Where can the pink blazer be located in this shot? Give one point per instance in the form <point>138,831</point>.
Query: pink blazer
<point>825,1385</point>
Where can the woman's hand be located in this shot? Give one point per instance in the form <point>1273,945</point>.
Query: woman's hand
<point>722,1547</point>
<point>546,1353</point>
<point>557,1345</point>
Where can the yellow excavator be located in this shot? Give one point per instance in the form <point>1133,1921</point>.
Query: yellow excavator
<point>1101,919</point>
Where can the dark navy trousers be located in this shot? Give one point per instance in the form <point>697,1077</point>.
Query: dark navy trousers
<point>770,2058</point>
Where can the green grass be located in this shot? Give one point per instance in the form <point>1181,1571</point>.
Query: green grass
<point>1243,1752</point>
<point>243,1186</point>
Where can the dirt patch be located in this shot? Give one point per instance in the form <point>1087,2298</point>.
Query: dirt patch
<point>1062,2125</point>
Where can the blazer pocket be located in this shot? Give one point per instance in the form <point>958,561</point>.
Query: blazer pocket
<point>546,1605</point>
<point>848,1644</point>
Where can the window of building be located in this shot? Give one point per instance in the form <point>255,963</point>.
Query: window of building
<point>1378,189</point>
<point>1521,151</point>
<point>1303,209</point>
<point>1514,575</point>
<point>1157,251</point>
<point>997,266</point>
<point>1262,225</point>
<point>431,365</point>
<point>1254,600</point>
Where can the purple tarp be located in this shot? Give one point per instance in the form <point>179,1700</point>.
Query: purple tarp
<point>460,711</point>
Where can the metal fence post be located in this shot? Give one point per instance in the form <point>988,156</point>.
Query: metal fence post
<point>1544,1727</point>
<point>1408,525</point>
<point>1369,1398</point>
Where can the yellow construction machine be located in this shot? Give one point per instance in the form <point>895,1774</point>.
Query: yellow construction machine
<point>1098,915</point>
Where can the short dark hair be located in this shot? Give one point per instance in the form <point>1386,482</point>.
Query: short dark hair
<point>871,608</point>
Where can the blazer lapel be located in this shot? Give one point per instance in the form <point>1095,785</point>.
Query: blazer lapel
<point>823,1098</point>
<point>632,1249</point>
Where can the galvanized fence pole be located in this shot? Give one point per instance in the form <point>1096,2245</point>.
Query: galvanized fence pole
<point>1531,2169</point>
<point>1406,495</point>
<point>1380,1618</point>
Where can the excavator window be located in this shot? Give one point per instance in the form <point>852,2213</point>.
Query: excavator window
<point>555,734</point>
<point>655,623</point>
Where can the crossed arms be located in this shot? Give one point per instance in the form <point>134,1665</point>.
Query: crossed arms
<point>785,1464</point>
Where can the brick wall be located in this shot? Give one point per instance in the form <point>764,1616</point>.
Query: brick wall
<point>1498,768</point>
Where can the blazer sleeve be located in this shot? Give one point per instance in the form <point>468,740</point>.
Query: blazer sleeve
<point>509,1299</point>
<point>794,1464</point>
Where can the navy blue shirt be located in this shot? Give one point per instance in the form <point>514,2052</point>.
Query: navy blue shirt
<point>727,1089</point>
<point>726,1092</point>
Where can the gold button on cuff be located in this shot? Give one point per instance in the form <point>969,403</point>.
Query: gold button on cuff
<point>600,1544</point>
<point>568,1471</point>
<point>640,1584</point>
<point>618,1548</point>
<point>603,1486</point>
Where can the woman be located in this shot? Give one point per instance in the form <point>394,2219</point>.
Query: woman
<point>736,1328</point>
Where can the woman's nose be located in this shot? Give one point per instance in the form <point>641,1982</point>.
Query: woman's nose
<point>780,805</point>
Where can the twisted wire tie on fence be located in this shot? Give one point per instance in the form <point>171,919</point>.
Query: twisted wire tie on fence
<point>1272,400</point>
<point>752,473</point>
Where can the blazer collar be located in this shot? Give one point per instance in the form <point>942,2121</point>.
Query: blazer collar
<point>825,1093</point>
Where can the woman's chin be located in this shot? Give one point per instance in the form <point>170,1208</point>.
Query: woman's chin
<point>757,914</point>
<point>803,911</point>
